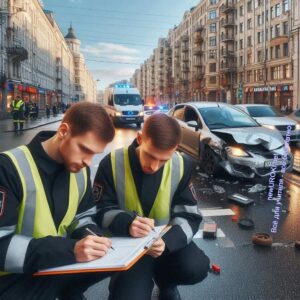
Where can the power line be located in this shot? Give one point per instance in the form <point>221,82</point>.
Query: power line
<point>114,11</point>
<point>113,62</point>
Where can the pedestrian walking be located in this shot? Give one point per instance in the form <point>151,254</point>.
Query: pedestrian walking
<point>47,111</point>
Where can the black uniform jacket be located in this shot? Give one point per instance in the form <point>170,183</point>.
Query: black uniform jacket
<point>48,251</point>
<point>147,188</point>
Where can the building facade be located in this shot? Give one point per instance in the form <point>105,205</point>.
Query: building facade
<point>234,51</point>
<point>36,61</point>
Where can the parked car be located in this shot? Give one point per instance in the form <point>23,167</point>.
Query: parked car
<point>295,115</point>
<point>220,135</point>
<point>268,116</point>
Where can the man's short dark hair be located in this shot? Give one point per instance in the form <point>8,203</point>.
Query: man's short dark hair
<point>87,116</point>
<point>164,131</point>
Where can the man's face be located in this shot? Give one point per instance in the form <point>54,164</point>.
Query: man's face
<point>77,151</point>
<point>151,158</point>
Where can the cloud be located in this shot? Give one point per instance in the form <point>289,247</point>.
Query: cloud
<point>110,75</point>
<point>112,52</point>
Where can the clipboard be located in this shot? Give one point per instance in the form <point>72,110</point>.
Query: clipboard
<point>127,252</point>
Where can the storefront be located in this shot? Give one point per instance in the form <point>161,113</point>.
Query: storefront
<point>285,96</point>
<point>265,95</point>
<point>42,98</point>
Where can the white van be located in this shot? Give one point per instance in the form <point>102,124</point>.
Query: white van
<point>124,104</point>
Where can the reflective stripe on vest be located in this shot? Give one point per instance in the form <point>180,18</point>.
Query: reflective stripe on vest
<point>126,190</point>
<point>17,104</point>
<point>35,218</point>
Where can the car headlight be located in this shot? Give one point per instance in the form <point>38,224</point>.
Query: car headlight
<point>236,151</point>
<point>270,127</point>
<point>298,126</point>
<point>141,113</point>
<point>118,114</point>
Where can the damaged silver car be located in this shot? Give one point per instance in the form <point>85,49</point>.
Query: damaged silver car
<point>222,136</point>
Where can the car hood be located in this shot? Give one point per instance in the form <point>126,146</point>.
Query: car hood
<point>270,139</point>
<point>275,121</point>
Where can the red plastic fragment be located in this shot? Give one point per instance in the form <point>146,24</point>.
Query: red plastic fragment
<point>216,268</point>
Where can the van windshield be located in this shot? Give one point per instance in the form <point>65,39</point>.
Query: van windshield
<point>126,99</point>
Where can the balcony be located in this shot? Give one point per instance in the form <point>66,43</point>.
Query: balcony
<point>199,28</point>
<point>198,64</point>
<point>198,50</point>
<point>227,8</point>
<point>185,38</point>
<point>185,48</point>
<point>225,37</point>
<point>227,53</point>
<point>17,53</point>
<point>185,58</point>
<point>227,67</point>
<point>227,23</point>
<point>198,38</point>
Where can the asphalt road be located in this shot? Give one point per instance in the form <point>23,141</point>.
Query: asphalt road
<point>247,271</point>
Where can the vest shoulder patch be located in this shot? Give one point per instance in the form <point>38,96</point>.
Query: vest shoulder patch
<point>2,200</point>
<point>97,191</point>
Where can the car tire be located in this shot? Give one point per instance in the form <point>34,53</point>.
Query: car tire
<point>138,125</point>
<point>210,162</point>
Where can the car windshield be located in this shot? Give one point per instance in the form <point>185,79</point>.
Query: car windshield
<point>225,117</point>
<point>127,99</point>
<point>263,111</point>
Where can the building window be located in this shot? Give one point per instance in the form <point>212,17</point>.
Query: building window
<point>241,43</point>
<point>266,54</point>
<point>267,34</point>
<point>259,56</point>
<point>249,23</point>
<point>249,73</point>
<point>213,79</point>
<point>276,73</point>
<point>249,58</point>
<point>241,10</point>
<point>287,71</point>
<point>285,49</point>
<point>277,30</point>
<point>212,41</point>
<point>213,2</point>
<point>259,22</point>
<point>258,75</point>
<point>212,67</point>
<point>285,5</point>
<point>249,41</point>
<point>267,15</point>
<point>277,51</point>
<point>249,6</point>
<point>212,14</point>
<point>285,28</point>
<point>272,32</point>
<point>271,52</point>
<point>241,27</point>
<point>213,27</point>
<point>277,10</point>
<point>259,39</point>
<point>272,12</point>
<point>241,60</point>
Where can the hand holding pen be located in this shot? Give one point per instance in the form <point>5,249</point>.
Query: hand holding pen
<point>95,234</point>
<point>141,226</point>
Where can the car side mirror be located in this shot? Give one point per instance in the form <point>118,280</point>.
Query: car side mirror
<point>193,124</point>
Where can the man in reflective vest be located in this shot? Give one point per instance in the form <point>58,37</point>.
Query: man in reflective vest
<point>149,184</point>
<point>46,206</point>
<point>18,113</point>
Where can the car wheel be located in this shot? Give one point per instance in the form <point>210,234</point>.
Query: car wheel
<point>210,162</point>
<point>138,125</point>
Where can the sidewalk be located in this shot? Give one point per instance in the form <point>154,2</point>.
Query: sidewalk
<point>7,124</point>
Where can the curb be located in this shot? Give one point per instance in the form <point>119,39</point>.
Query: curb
<point>40,125</point>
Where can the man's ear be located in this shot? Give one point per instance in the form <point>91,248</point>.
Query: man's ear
<point>139,138</point>
<point>63,130</point>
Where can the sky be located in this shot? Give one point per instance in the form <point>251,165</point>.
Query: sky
<point>117,35</point>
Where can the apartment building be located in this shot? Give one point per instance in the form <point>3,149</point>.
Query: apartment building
<point>36,61</point>
<point>236,51</point>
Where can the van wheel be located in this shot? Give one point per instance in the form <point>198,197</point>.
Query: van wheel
<point>138,125</point>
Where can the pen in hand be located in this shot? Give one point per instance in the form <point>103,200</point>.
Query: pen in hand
<point>136,214</point>
<point>93,233</point>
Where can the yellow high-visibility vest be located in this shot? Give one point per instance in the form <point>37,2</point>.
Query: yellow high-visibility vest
<point>35,219</point>
<point>128,198</point>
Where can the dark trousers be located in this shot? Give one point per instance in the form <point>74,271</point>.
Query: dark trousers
<point>62,287</point>
<point>184,267</point>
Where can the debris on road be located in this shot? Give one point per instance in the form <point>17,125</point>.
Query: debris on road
<point>262,239</point>
<point>246,223</point>
<point>210,230</point>
<point>216,269</point>
<point>218,189</point>
<point>257,188</point>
